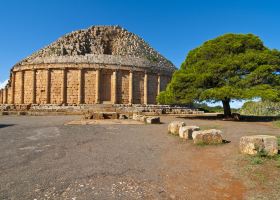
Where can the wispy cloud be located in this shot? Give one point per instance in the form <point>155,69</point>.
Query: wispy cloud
<point>3,84</point>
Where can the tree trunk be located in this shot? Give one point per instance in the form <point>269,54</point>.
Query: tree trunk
<point>226,106</point>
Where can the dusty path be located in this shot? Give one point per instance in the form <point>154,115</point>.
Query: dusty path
<point>40,158</point>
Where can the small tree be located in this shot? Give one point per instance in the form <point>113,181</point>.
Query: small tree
<point>230,67</point>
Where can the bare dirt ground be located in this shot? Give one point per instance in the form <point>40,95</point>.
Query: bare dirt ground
<point>41,158</point>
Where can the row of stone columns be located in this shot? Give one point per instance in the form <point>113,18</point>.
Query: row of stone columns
<point>4,92</point>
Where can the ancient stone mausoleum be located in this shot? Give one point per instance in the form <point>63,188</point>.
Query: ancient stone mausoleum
<point>101,64</point>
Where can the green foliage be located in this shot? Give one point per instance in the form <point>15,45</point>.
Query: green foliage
<point>232,66</point>
<point>257,160</point>
<point>262,108</point>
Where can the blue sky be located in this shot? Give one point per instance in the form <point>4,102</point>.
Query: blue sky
<point>171,27</point>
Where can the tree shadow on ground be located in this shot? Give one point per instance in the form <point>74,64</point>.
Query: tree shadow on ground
<point>242,118</point>
<point>5,125</point>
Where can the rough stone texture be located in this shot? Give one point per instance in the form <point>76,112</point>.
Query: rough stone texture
<point>41,86</point>
<point>138,88</point>
<point>173,127</point>
<point>212,136</point>
<point>152,92</point>
<point>153,120</point>
<point>255,144</point>
<point>185,132</point>
<point>56,86</point>
<point>123,116</point>
<point>28,84</point>
<point>90,86</point>
<point>18,82</point>
<point>72,86</point>
<point>100,40</point>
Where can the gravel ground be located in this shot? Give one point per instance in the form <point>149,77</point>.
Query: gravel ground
<point>41,158</point>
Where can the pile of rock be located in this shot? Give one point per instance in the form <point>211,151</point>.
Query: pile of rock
<point>146,119</point>
<point>194,133</point>
<point>101,115</point>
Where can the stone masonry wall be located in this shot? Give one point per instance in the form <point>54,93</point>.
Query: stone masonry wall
<point>152,88</point>
<point>10,95</point>
<point>89,86</point>
<point>164,80</point>
<point>123,87</point>
<point>18,82</point>
<point>1,96</point>
<point>28,84</point>
<point>138,88</point>
<point>72,86</point>
<point>56,86</point>
<point>41,86</point>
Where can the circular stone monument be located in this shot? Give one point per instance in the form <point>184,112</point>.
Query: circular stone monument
<point>101,64</point>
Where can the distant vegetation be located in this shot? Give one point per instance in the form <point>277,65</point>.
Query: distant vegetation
<point>262,108</point>
<point>212,109</point>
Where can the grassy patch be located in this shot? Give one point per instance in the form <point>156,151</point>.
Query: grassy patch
<point>203,144</point>
<point>210,127</point>
<point>256,160</point>
<point>262,157</point>
<point>276,124</point>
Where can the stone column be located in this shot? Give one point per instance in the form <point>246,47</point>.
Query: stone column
<point>34,86</point>
<point>97,95</point>
<point>22,88</point>
<point>146,89</point>
<point>159,83</point>
<point>48,86</point>
<point>114,87</point>
<point>81,87</point>
<point>130,94</point>
<point>6,95</point>
<point>1,96</point>
<point>64,86</point>
<point>13,87</point>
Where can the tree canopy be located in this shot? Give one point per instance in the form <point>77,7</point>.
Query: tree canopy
<point>229,67</point>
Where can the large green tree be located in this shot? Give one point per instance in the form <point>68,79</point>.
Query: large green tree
<point>229,67</point>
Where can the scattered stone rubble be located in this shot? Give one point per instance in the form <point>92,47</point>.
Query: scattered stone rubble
<point>146,119</point>
<point>174,127</point>
<point>99,40</point>
<point>255,144</point>
<point>180,128</point>
<point>185,132</point>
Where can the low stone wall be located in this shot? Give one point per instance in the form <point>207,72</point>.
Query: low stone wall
<point>119,108</point>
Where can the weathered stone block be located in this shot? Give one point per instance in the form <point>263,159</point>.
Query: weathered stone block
<point>212,136</point>
<point>122,116</point>
<point>185,132</point>
<point>153,120</point>
<point>173,127</point>
<point>255,144</point>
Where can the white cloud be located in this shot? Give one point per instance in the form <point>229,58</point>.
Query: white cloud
<point>3,84</point>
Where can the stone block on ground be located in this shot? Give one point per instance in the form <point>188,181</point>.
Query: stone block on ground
<point>255,144</point>
<point>185,132</point>
<point>153,120</point>
<point>141,118</point>
<point>123,116</point>
<point>212,136</point>
<point>173,127</point>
